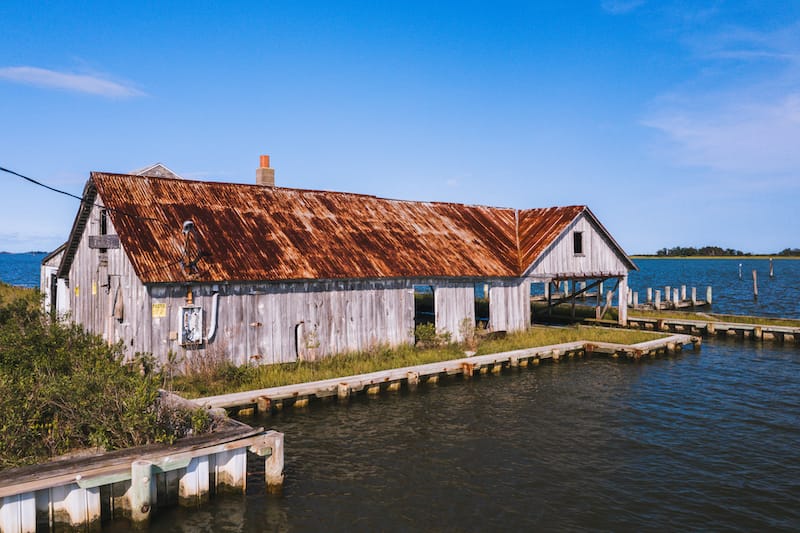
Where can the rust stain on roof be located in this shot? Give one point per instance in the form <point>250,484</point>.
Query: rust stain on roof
<point>250,232</point>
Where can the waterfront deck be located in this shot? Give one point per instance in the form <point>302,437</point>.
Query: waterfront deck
<point>298,395</point>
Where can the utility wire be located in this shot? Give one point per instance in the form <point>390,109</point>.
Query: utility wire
<point>79,198</point>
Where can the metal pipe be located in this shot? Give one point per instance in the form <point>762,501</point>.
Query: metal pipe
<point>212,328</point>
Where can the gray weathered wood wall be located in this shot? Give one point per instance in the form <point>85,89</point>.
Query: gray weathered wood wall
<point>598,254</point>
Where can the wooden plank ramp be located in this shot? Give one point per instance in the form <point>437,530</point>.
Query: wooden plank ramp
<point>265,400</point>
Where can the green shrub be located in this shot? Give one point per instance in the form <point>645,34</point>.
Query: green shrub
<point>63,389</point>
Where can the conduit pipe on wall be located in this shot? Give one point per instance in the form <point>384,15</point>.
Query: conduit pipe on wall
<point>212,328</point>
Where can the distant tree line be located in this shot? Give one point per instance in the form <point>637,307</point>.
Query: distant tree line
<point>681,251</point>
<point>688,251</point>
<point>790,252</point>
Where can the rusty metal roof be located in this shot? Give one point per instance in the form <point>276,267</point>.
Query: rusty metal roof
<point>250,232</point>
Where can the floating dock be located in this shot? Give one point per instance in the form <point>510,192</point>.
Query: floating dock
<point>299,395</point>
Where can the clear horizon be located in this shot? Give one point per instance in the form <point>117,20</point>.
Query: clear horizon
<point>676,124</point>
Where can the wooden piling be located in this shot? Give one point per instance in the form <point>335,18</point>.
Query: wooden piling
<point>694,296</point>
<point>675,299</point>
<point>636,299</point>
<point>771,271</point>
<point>139,493</point>
<point>708,295</point>
<point>273,466</point>
<point>649,295</point>
<point>683,292</point>
<point>263,405</point>
<point>342,391</point>
<point>755,284</point>
<point>658,299</point>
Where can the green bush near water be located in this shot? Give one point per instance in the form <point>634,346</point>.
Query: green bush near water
<point>63,389</point>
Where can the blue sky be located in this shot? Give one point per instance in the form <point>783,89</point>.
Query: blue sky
<point>677,122</point>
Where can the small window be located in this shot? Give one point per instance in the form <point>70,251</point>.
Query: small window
<point>103,222</point>
<point>577,239</point>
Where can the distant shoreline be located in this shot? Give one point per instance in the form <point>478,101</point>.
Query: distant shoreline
<point>726,257</point>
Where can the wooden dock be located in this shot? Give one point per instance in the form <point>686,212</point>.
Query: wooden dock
<point>82,493</point>
<point>715,327</point>
<point>299,395</point>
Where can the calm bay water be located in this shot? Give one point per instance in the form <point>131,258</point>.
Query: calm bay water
<point>21,269</point>
<point>698,441</point>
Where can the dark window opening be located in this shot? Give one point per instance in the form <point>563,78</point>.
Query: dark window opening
<point>103,222</point>
<point>577,240</point>
<point>482,305</point>
<point>103,227</point>
<point>424,306</point>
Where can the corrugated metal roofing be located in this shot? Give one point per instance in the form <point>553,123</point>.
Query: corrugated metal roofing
<point>249,232</point>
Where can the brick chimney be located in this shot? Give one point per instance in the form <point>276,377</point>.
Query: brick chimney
<point>264,174</point>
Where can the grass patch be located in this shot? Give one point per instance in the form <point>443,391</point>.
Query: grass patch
<point>228,378</point>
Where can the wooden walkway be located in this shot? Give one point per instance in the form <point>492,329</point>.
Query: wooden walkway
<point>298,395</point>
<point>714,327</point>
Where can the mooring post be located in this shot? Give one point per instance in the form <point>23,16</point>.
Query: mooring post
<point>412,379</point>
<point>636,299</point>
<point>649,295</point>
<point>658,299</point>
<point>667,293</point>
<point>708,295</point>
<point>694,296</point>
<point>139,493</point>
<point>771,271</point>
<point>683,292</point>
<point>675,300</point>
<point>755,284</point>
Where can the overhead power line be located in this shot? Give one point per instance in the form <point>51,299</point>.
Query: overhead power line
<point>79,198</point>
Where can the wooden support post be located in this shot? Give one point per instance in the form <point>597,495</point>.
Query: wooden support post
<point>758,333</point>
<point>629,296</point>
<point>373,390</point>
<point>394,386</point>
<point>343,391</point>
<point>622,301</point>
<point>708,295</point>
<point>667,293</point>
<point>513,361</point>
<point>263,404</point>
<point>649,295</point>
<point>710,329</point>
<point>231,471</point>
<point>412,379</point>
<point>675,300</point>
<point>139,495</point>
<point>658,299</point>
<point>635,299</point>
<point>694,296</point>
<point>193,485</point>
<point>683,292</point>
<point>273,466</point>
<point>755,284</point>
<point>771,271</point>
<point>18,513</point>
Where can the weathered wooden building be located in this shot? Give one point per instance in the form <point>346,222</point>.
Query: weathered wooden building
<point>265,274</point>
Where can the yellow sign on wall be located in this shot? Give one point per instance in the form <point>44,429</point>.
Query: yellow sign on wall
<point>77,291</point>
<point>159,310</point>
<point>94,288</point>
